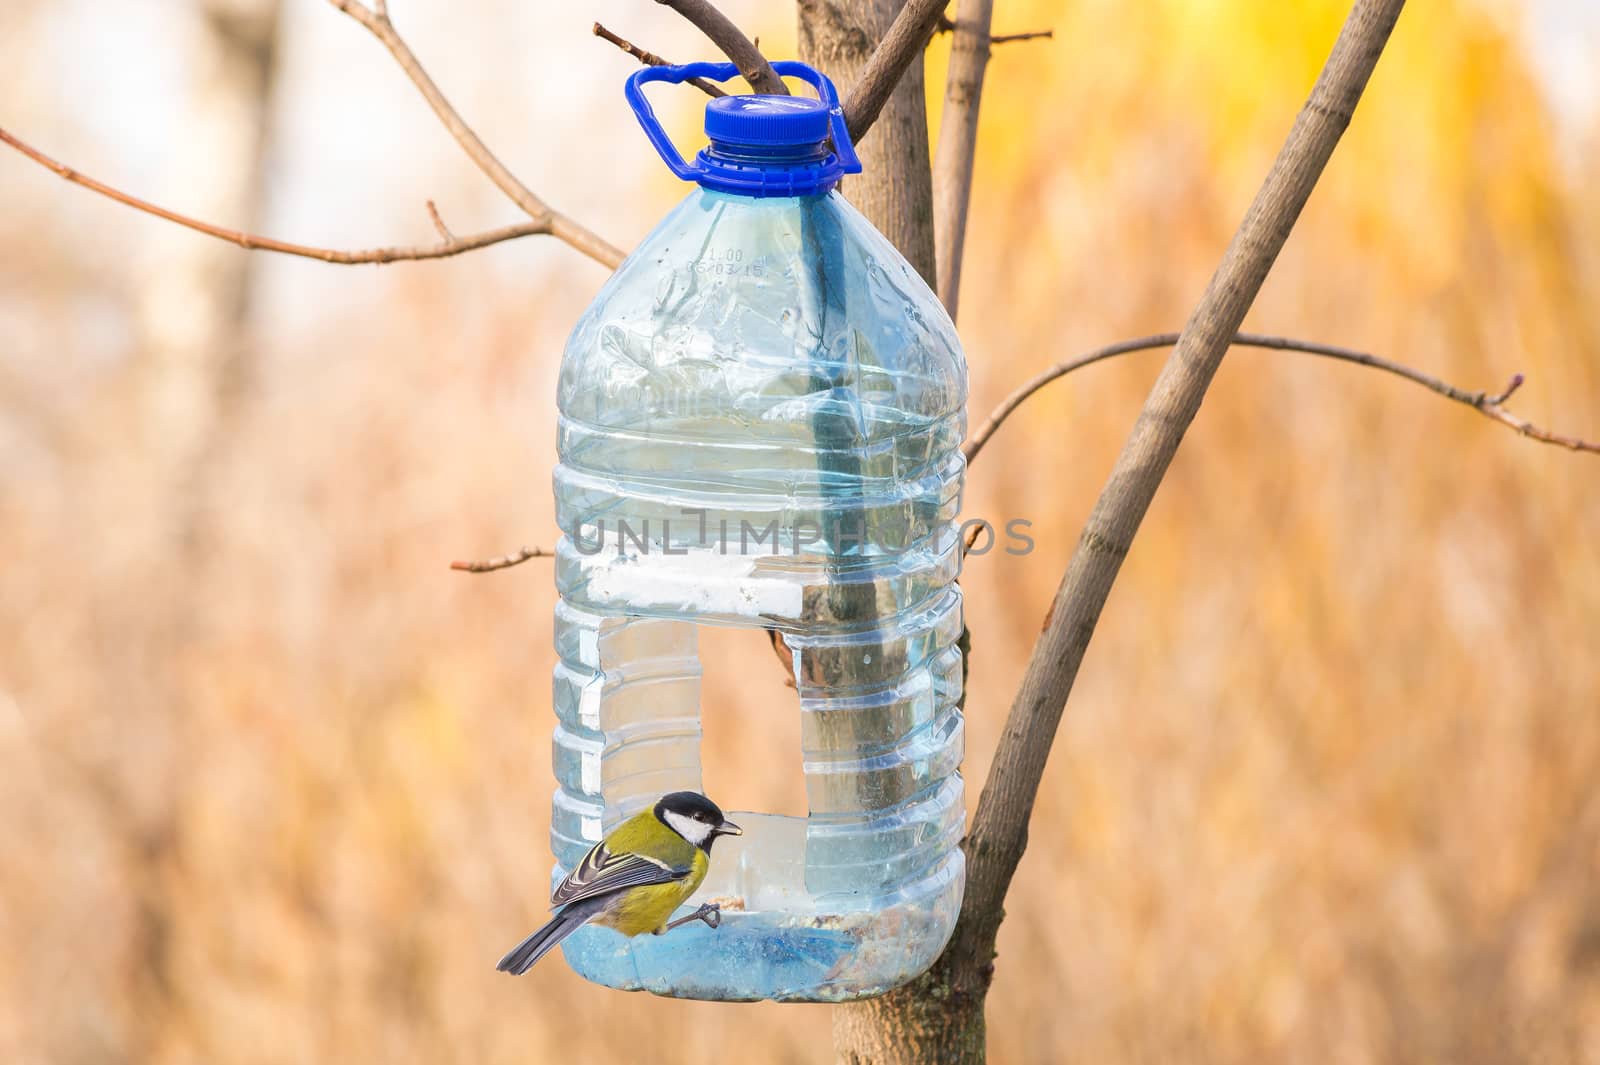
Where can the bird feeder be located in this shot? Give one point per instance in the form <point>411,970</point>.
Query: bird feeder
<point>760,420</point>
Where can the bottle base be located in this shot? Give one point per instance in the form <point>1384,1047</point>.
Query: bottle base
<point>818,956</point>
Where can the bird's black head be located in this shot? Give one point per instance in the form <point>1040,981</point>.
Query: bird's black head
<point>695,818</point>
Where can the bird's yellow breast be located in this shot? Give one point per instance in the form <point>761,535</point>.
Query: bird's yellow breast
<point>645,909</point>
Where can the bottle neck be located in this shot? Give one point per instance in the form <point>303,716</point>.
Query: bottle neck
<point>769,170</point>
<point>775,155</point>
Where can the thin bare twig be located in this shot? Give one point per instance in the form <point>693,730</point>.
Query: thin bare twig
<point>650,59</point>
<point>558,225</point>
<point>451,245</point>
<point>780,648</point>
<point>753,66</point>
<point>1490,406</point>
<point>489,565</point>
<point>958,145</point>
<point>949,25</point>
<point>1485,404</point>
<point>438,223</point>
<point>1029,35</point>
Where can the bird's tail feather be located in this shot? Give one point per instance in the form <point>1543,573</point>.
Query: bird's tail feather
<point>522,957</point>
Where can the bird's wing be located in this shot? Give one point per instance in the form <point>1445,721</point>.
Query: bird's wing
<point>601,872</point>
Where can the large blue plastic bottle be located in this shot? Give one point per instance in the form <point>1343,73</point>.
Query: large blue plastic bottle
<point>760,420</point>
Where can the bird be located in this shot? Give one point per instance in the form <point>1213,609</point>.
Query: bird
<point>635,878</point>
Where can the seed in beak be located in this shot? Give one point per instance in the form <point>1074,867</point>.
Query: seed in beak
<point>728,828</point>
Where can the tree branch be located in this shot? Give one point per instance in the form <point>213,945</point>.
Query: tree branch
<point>1000,826</point>
<point>947,24</point>
<point>958,145</point>
<point>753,66</point>
<point>450,245</point>
<point>650,59</point>
<point>438,222</point>
<point>1490,406</point>
<point>999,830</point>
<point>1029,35</point>
<point>555,223</point>
<point>503,562</point>
<point>900,46</point>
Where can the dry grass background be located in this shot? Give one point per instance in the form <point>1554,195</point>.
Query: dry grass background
<point>275,781</point>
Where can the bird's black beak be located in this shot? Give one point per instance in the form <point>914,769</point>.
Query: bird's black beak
<point>728,828</point>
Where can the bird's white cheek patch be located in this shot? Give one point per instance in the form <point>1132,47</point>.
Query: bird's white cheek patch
<point>687,827</point>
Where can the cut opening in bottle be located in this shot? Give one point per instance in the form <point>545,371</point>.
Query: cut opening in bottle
<point>848,895</point>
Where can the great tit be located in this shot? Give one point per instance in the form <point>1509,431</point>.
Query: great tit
<point>634,878</point>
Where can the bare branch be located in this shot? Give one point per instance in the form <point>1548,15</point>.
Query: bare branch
<point>555,223</point>
<point>999,828</point>
<point>948,25</point>
<point>900,46</point>
<point>451,245</point>
<point>780,647</point>
<point>1490,406</point>
<point>1030,35</point>
<point>916,23</point>
<point>753,66</point>
<point>958,145</point>
<point>438,223</point>
<point>908,35</point>
<point>944,1008</point>
<point>650,59</point>
<point>489,565</point>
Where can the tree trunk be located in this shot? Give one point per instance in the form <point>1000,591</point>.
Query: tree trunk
<point>930,1020</point>
<point>191,321</point>
<point>895,188</point>
<point>193,306</point>
<point>958,144</point>
<point>937,1019</point>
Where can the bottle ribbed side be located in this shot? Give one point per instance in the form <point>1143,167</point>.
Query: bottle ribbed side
<point>627,702</point>
<point>761,418</point>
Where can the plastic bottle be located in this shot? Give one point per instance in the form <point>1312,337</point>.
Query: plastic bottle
<point>760,420</point>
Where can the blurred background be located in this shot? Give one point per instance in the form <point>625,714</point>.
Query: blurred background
<point>274,780</point>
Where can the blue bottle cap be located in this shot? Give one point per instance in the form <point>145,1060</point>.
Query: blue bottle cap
<point>760,145</point>
<point>767,121</point>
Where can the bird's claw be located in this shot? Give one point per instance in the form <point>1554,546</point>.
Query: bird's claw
<point>709,912</point>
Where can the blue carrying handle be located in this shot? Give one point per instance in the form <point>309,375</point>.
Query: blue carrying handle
<point>634,91</point>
